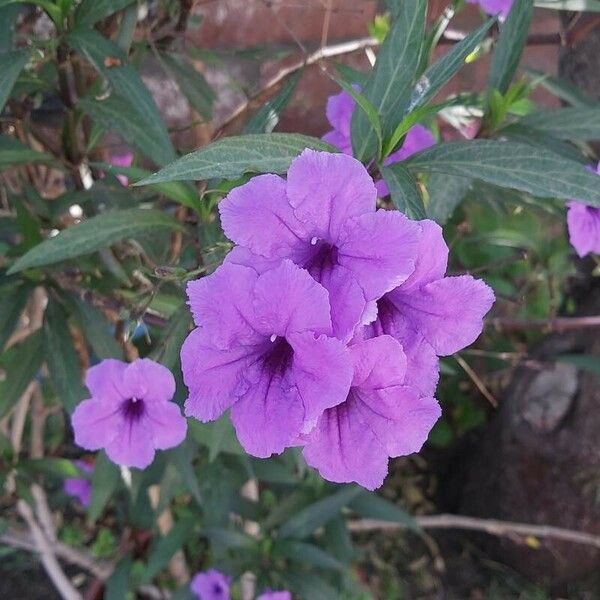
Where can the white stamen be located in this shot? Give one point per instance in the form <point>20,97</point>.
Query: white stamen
<point>273,337</point>
<point>313,241</point>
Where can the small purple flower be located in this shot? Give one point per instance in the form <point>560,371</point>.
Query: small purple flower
<point>129,413</point>
<point>446,311</point>
<point>262,347</point>
<point>583,222</point>
<point>339,114</point>
<point>80,487</point>
<point>324,219</point>
<point>268,595</point>
<point>382,417</point>
<point>211,585</point>
<point>494,7</point>
<point>122,160</point>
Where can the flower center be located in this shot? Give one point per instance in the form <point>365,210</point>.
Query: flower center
<point>133,409</point>
<point>217,589</point>
<point>323,258</point>
<point>278,357</point>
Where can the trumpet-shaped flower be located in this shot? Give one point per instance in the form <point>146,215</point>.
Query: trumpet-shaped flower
<point>262,347</point>
<point>583,222</point>
<point>323,218</point>
<point>446,312</point>
<point>281,595</point>
<point>211,585</point>
<point>381,417</point>
<point>129,413</point>
<point>80,487</point>
<point>494,7</point>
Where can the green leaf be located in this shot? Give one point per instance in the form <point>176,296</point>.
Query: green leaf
<point>510,45</point>
<point>96,329</point>
<point>218,436</point>
<point>63,363</point>
<point>181,457</point>
<point>572,5</point>
<point>90,12</point>
<point>231,157</point>
<point>166,546</point>
<point>311,585</point>
<point>179,192</point>
<point>105,480</point>
<point>388,87</point>
<point>372,506</point>
<point>95,233</point>
<point>567,123</point>
<point>445,193</point>
<point>56,467</point>
<point>118,584</point>
<point>512,165</point>
<point>8,19</point>
<point>20,365</point>
<point>175,331</point>
<point>11,64</point>
<point>442,71</point>
<point>307,520</point>
<point>13,152</point>
<point>130,108</point>
<point>307,554</point>
<point>563,89</point>
<point>191,83</point>
<point>404,190</point>
<point>267,117</point>
<point>13,297</point>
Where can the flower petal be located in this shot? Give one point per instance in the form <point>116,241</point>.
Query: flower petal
<point>584,228</point>
<point>342,142</point>
<point>149,380</point>
<point>221,304</point>
<point>343,448</point>
<point>215,378</point>
<point>132,446</point>
<point>269,416</point>
<point>423,365</point>
<point>418,138</point>
<point>257,215</point>
<point>378,362</point>
<point>432,256</point>
<point>322,372</point>
<point>327,189</point>
<point>380,267</point>
<point>105,380</point>
<point>167,426</point>
<point>339,110</point>
<point>448,312</point>
<point>288,300</point>
<point>95,423</point>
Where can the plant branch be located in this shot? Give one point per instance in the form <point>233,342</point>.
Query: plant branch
<point>494,527</point>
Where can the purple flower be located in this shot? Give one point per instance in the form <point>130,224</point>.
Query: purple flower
<point>339,114</point>
<point>323,218</point>
<point>80,487</point>
<point>382,417</point>
<point>431,314</point>
<point>583,222</point>
<point>122,160</point>
<point>268,595</point>
<point>262,347</point>
<point>129,413</point>
<point>211,585</point>
<point>494,7</point>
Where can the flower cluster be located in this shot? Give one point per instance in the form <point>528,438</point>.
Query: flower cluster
<point>323,325</point>
<point>583,222</point>
<point>129,413</point>
<point>214,585</point>
<point>340,108</point>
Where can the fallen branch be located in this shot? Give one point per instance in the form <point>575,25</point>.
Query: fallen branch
<point>491,526</point>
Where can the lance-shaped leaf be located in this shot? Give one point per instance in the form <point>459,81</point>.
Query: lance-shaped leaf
<point>388,87</point>
<point>231,157</point>
<point>11,64</point>
<point>404,190</point>
<point>92,11</point>
<point>95,233</point>
<point>511,165</point>
<point>567,123</point>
